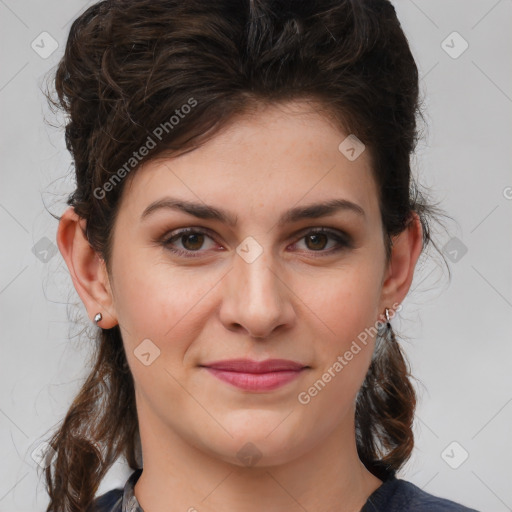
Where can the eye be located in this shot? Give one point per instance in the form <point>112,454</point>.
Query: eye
<point>316,240</point>
<point>192,240</point>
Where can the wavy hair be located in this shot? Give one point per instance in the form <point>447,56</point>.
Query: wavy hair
<point>127,68</point>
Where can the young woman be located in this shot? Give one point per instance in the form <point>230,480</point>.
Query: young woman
<point>244,227</point>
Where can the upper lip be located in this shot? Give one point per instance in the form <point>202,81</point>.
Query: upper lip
<point>250,366</point>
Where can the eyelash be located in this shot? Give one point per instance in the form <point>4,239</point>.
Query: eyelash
<point>342,240</point>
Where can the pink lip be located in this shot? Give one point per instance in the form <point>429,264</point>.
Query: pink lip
<point>256,376</point>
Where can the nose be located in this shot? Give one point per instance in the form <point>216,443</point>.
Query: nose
<point>256,297</point>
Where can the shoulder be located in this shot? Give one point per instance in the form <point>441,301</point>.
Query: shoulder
<point>111,501</point>
<point>417,497</point>
<point>397,495</point>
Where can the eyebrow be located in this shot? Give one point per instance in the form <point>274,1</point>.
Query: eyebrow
<point>203,211</point>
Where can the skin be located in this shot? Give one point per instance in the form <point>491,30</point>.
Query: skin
<point>298,300</point>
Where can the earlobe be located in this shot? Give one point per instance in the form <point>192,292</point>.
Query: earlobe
<point>86,268</point>
<point>406,250</point>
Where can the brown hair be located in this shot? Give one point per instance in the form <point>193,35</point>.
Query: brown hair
<point>128,67</point>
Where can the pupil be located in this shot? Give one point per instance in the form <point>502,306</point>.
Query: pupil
<point>316,237</point>
<point>187,237</point>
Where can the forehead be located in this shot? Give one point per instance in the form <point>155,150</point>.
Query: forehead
<point>275,157</point>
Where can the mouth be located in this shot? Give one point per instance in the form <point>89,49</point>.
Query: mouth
<point>256,375</point>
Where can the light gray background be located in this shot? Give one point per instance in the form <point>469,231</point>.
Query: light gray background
<point>457,334</point>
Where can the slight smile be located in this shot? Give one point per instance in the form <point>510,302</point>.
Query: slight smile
<point>256,375</point>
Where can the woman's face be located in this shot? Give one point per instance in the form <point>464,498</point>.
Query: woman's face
<point>255,288</point>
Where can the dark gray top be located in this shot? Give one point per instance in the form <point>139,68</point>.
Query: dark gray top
<point>394,495</point>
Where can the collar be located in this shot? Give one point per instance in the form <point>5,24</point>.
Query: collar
<point>130,502</point>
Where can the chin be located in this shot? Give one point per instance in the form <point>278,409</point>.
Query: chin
<point>259,447</point>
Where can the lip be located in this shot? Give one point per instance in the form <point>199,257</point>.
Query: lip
<point>250,366</point>
<point>256,375</point>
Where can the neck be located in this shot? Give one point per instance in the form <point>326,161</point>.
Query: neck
<point>326,476</point>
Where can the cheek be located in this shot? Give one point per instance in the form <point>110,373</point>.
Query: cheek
<point>160,302</point>
<point>344,301</point>
<point>345,309</point>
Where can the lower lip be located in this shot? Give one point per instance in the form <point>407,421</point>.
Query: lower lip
<point>256,381</point>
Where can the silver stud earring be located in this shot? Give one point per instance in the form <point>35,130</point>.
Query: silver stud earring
<point>98,317</point>
<point>387,318</point>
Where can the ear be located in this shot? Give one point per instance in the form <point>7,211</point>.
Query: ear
<point>405,252</point>
<point>87,269</point>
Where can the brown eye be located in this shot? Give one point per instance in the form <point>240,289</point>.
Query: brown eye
<point>192,240</point>
<point>317,240</point>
